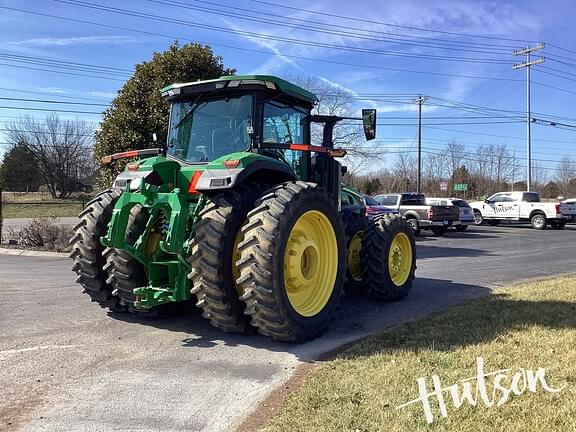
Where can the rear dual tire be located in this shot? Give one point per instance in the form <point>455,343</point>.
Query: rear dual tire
<point>389,257</point>
<point>293,260</point>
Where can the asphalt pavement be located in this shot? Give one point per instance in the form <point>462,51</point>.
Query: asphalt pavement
<point>68,365</point>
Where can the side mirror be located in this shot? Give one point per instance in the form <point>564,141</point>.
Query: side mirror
<point>369,123</point>
<point>487,201</point>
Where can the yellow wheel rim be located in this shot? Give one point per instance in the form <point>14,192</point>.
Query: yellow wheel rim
<point>236,255</point>
<point>354,261</point>
<point>310,263</point>
<point>400,259</point>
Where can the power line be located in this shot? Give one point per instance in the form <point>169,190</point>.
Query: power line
<point>50,94</point>
<point>389,24</point>
<point>50,110</point>
<point>299,42</point>
<point>272,53</point>
<point>53,102</point>
<point>343,30</point>
<point>59,72</point>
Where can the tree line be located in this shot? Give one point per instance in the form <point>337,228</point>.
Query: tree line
<point>485,170</point>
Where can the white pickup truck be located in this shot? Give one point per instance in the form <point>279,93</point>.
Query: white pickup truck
<point>519,207</point>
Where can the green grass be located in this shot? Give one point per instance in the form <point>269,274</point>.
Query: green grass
<point>530,325</point>
<point>24,210</point>
<point>37,204</point>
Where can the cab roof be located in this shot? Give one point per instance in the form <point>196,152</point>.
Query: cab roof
<point>269,82</point>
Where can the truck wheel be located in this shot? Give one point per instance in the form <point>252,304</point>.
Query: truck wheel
<point>87,250</point>
<point>415,225</point>
<point>478,219</point>
<point>439,231</point>
<point>125,273</point>
<point>538,221</point>
<point>354,282</point>
<point>215,253</point>
<point>461,228</point>
<point>558,225</point>
<point>389,255</point>
<point>293,261</point>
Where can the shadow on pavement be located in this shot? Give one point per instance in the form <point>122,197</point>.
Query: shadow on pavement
<point>425,251</point>
<point>358,317</point>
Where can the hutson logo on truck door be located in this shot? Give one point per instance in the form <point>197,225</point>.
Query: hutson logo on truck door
<point>503,209</point>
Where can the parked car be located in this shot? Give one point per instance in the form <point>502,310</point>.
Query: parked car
<point>568,209</point>
<point>466,212</point>
<point>420,215</point>
<point>356,202</point>
<point>373,209</point>
<point>519,207</point>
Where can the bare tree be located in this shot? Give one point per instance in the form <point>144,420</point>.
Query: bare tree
<point>435,170</point>
<point>62,150</point>
<point>335,100</point>
<point>404,171</point>
<point>565,175</point>
<point>539,176</point>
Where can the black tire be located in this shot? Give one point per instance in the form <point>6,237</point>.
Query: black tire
<point>87,250</point>
<point>415,225</point>
<point>267,235</point>
<point>212,275</point>
<point>538,221</point>
<point>439,231</point>
<point>478,219</point>
<point>354,283</point>
<point>375,254</point>
<point>125,273</point>
<point>558,225</point>
<point>461,228</point>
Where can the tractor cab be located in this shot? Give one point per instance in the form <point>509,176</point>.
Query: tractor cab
<point>261,114</point>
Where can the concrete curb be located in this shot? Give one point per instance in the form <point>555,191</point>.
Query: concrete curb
<point>32,253</point>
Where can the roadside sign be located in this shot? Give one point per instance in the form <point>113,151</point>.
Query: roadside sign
<point>461,187</point>
<point>444,186</point>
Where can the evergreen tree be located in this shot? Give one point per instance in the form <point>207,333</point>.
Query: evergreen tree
<point>139,110</point>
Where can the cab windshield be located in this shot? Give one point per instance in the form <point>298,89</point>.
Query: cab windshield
<point>202,130</point>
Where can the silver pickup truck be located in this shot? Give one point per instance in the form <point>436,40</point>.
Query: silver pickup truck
<point>412,206</point>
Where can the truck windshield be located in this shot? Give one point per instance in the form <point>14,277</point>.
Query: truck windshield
<point>205,129</point>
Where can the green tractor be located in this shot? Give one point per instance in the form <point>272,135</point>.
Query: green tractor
<point>240,213</point>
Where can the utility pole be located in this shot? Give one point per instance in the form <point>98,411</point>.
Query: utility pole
<point>527,64</point>
<point>420,101</point>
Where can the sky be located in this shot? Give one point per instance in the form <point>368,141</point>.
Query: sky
<point>458,53</point>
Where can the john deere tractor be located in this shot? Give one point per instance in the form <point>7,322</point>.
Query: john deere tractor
<point>240,213</point>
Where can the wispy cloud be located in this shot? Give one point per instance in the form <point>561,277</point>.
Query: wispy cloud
<point>80,40</point>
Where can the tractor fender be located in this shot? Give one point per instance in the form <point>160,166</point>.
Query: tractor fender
<point>259,171</point>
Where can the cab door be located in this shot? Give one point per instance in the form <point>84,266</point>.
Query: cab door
<point>490,204</point>
<point>507,207</point>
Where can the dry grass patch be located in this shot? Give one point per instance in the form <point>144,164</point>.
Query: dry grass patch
<point>527,326</point>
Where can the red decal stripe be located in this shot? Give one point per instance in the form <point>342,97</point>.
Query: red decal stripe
<point>194,182</point>
<point>306,147</point>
